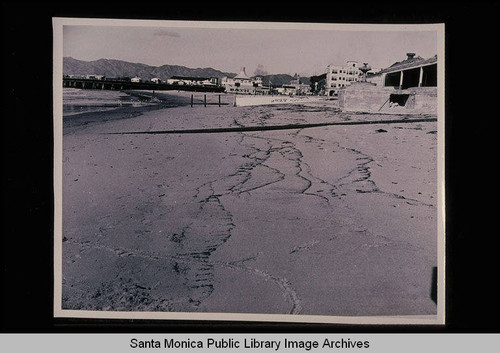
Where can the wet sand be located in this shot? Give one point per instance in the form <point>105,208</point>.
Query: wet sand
<point>330,220</point>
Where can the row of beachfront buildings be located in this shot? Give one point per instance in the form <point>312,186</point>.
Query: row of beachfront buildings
<point>414,71</point>
<point>244,84</point>
<point>239,84</point>
<point>409,85</point>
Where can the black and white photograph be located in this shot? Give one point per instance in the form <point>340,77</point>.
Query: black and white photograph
<point>252,171</point>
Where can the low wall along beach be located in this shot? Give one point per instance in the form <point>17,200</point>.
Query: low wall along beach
<point>367,97</point>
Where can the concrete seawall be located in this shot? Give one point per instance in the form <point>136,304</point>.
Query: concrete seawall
<point>242,101</point>
<point>367,97</point>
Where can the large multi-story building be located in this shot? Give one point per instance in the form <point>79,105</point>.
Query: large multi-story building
<point>338,77</point>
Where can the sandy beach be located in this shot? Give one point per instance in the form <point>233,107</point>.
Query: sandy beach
<point>328,220</point>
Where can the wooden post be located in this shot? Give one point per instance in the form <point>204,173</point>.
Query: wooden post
<point>401,80</point>
<point>219,100</point>
<point>191,101</point>
<point>205,100</point>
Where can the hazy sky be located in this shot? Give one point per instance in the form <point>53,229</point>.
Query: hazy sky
<point>301,50</point>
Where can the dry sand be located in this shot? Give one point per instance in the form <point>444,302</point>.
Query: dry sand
<point>332,220</point>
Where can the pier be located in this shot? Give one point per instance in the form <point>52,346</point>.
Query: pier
<point>115,84</point>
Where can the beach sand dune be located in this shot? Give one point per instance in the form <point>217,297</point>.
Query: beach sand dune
<point>332,220</point>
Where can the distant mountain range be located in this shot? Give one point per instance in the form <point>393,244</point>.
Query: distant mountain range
<point>118,68</point>
<point>112,68</point>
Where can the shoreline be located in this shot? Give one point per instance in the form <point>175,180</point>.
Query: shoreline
<point>76,121</point>
<point>160,100</point>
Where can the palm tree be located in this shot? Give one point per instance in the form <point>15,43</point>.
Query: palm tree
<point>364,69</point>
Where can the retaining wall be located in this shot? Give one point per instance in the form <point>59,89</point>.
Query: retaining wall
<point>368,97</point>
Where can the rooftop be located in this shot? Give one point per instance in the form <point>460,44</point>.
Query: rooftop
<point>242,75</point>
<point>410,62</point>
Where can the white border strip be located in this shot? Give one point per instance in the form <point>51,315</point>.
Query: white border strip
<point>61,21</point>
<point>58,163</point>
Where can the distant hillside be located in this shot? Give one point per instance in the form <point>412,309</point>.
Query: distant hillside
<point>117,68</point>
<point>281,79</point>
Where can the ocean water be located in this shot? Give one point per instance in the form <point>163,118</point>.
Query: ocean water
<point>77,101</point>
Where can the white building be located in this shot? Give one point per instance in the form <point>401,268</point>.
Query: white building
<point>95,77</point>
<point>243,84</point>
<point>193,81</point>
<point>135,79</point>
<point>155,80</point>
<point>338,77</point>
